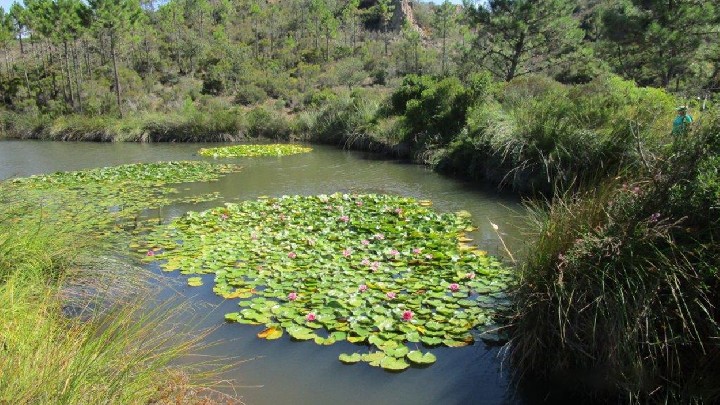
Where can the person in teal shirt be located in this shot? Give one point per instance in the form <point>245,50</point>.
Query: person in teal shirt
<point>682,122</point>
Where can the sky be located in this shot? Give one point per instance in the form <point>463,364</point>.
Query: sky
<point>7,3</point>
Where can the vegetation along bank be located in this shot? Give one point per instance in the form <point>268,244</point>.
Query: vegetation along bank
<point>571,99</point>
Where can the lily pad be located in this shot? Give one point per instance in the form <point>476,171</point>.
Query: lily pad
<point>350,358</point>
<point>376,269</point>
<point>254,150</point>
<point>418,357</point>
<point>194,281</point>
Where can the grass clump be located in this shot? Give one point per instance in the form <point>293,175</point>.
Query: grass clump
<point>75,333</point>
<point>620,292</point>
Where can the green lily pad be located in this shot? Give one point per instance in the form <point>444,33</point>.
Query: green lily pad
<point>350,358</point>
<point>194,281</point>
<point>393,364</point>
<point>418,357</point>
<point>347,266</point>
<point>254,150</point>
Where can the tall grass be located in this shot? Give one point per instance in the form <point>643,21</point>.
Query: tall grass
<point>619,295</point>
<point>104,340</point>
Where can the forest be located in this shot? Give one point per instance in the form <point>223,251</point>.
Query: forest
<point>567,103</point>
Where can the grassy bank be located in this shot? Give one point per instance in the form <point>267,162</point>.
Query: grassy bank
<point>73,333</point>
<point>619,295</point>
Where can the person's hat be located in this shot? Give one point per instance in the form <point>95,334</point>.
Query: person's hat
<point>681,108</point>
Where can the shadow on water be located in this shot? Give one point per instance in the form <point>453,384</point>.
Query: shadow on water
<point>284,371</point>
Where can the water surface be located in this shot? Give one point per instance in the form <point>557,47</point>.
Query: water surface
<point>285,372</point>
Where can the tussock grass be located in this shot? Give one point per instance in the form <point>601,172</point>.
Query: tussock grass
<point>619,295</point>
<point>77,331</point>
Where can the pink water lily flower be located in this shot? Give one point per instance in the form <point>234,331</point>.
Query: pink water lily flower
<point>398,211</point>
<point>364,242</point>
<point>407,315</point>
<point>417,251</point>
<point>429,256</point>
<point>394,252</point>
<point>292,255</point>
<point>391,295</point>
<point>362,288</point>
<point>379,236</point>
<point>454,287</point>
<point>365,262</point>
<point>292,296</point>
<point>470,275</point>
<point>224,217</point>
<point>374,266</point>
<point>347,252</point>
<point>359,203</point>
<point>310,317</point>
<point>150,253</point>
<point>344,218</point>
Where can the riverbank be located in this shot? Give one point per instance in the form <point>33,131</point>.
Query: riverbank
<point>76,326</point>
<point>537,135</point>
<point>532,135</point>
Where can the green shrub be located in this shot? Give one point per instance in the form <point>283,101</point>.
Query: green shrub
<point>250,94</point>
<point>622,285</point>
<point>267,123</point>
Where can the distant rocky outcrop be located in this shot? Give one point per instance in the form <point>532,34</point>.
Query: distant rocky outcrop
<point>403,11</point>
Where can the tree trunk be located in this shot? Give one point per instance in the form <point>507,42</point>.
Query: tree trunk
<point>76,64</point>
<point>115,72</point>
<point>68,74</point>
<point>517,53</point>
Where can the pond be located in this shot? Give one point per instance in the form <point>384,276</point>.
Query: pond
<point>283,371</point>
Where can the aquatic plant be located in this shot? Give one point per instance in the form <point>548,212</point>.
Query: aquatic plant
<point>342,267</point>
<point>105,200</point>
<point>254,150</point>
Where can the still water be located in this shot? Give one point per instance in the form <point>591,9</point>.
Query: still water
<point>285,372</point>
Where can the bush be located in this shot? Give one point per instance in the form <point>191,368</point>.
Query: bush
<point>267,123</point>
<point>250,94</point>
<point>622,288</point>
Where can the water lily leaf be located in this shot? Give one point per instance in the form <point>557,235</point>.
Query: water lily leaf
<point>418,357</point>
<point>373,358</point>
<point>350,358</point>
<point>393,364</point>
<point>431,340</point>
<point>271,333</point>
<point>253,151</point>
<point>194,281</point>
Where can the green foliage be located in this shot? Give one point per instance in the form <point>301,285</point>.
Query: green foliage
<point>267,123</point>
<point>254,150</point>
<point>521,37</point>
<point>544,135</point>
<point>622,283</point>
<point>375,269</point>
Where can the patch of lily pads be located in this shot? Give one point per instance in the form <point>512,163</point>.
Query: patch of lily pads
<point>107,200</point>
<point>254,150</point>
<point>387,273</point>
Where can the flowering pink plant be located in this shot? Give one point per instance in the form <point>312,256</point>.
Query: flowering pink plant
<point>407,315</point>
<point>292,296</point>
<point>391,295</point>
<point>310,317</point>
<point>454,287</point>
<point>292,255</point>
<point>362,288</point>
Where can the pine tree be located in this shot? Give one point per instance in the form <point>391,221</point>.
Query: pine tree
<point>517,37</point>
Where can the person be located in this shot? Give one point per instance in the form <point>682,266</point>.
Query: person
<point>682,122</point>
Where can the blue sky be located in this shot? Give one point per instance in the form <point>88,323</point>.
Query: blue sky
<point>7,3</point>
